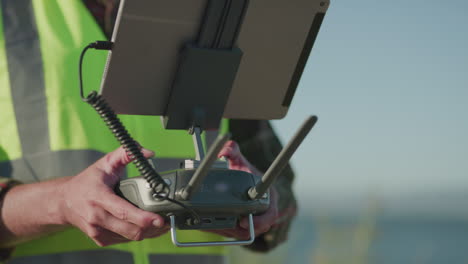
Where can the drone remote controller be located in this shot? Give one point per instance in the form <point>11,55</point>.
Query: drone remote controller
<point>208,195</point>
<point>219,202</point>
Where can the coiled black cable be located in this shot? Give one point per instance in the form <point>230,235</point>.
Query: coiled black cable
<point>129,144</point>
<point>132,148</point>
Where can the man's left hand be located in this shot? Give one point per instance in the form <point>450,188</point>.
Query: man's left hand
<point>262,223</point>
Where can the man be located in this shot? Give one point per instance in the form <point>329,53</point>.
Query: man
<point>47,133</point>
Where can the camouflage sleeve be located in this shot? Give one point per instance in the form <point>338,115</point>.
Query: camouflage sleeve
<point>260,146</point>
<point>5,185</point>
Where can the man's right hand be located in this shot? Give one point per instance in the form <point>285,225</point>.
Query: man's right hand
<point>89,203</point>
<point>86,201</point>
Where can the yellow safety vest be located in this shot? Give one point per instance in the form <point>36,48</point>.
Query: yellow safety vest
<point>46,131</point>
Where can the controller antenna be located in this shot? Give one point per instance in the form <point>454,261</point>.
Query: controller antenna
<point>282,160</point>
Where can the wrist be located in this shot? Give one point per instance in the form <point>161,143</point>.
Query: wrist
<point>42,200</point>
<point>30,211</point>
<point>58,202</point>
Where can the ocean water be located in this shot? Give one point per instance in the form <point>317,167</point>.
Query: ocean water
<point>382,240</point>
<point>340,240</point>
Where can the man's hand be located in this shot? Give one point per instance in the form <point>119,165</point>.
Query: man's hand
<point>263,222</point>
<point>89,203</point>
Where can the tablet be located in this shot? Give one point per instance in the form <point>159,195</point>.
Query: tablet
<point>276,38</point>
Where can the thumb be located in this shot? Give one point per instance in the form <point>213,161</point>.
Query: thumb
<point>230,150</point>
<point>236,160</point>
<point>118,159</point>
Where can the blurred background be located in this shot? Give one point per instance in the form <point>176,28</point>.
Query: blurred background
<point>383,178</point>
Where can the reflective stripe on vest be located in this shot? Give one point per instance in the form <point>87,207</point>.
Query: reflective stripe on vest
<point>94,256</point>
<point>51,165</point>
<point>204,259</point>
<point>24,59</point>
<point>114,257</point>
<point>59,134</point>
<point>9,140</point>
<point>73,240</point>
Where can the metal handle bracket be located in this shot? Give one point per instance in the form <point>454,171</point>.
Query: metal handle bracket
<point>213,243</point>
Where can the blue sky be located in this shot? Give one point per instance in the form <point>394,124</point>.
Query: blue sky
<point>389,82</point>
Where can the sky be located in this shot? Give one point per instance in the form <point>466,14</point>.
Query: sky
<point>389,83</point>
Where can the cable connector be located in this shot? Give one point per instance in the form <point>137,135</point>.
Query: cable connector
<point>101,45</point>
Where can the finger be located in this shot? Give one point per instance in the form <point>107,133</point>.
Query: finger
<point>240,233</point>
<point>118,159</point>
<point>230,150</point>
<point>262,223</point>
<point>127,212</point>
<point>233,155</point>
<point>100,236</point>
<point>103,237</point>
<point>117,235</point>
<point>125,229</point>
<point>147,153</point>
<point>236,160</point>
<point>269,217</point>
<point>100,218</point>
<point>113,237</point>
<point>155,232</point>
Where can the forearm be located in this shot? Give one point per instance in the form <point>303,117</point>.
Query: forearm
<point>29,211</point>
<point>86,201</point>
